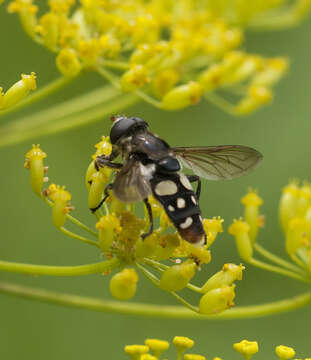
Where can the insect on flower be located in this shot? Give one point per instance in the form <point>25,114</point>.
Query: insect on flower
<point>151,167</point>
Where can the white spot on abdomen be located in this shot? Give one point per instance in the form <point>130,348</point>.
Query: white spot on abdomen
<point>181,203</point>
<point>186,223</point>
<point>193,200</point>
<point>166,187</point>
<point>171,208</point>
<point>186,183</point>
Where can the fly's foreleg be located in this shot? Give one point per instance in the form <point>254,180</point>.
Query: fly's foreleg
<point>193,178</point>
<point>106,194</point>
<point>103,160</point>
<point>148,207</point>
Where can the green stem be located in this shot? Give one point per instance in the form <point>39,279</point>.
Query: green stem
<point>120,65</point>
<point>40,94</point>
<point>77,270</point>
<point>276,21</point>
<point>78,237</point>
<point>277,260</point>
<point>116,83</point>
<point>220,102</point>
<point>279,270</point>
<point>12,134</point>
<point>156,311</point>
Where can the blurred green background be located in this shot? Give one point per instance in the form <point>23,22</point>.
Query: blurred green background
<point>31,330</point>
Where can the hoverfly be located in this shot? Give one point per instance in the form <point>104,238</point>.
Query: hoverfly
<point>151,167</point>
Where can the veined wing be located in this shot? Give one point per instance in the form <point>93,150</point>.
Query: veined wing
<point>132,182</point>
<point>222,162</point>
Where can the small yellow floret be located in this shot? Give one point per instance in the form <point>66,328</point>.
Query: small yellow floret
<point>68,63</point>
<point>136,351</point>
<point>35,153</point>
<point>104,147</point>
<point>136,77</point>
<point>252,199</point>
<point>157,346</point>
<point>246,348</point>
<point>182,343</point>
<point>123,284</point>
<point>238,227</point>
<point>58,193</point>
<point>194,357</point>
<point>284,352</point>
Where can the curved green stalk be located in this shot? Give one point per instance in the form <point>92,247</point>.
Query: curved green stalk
<point>40,94</point>
<point>279,270</point>
<point>59,270</point>
<point>277,260</point>
<point>157,311</point>
<point>78,237</point>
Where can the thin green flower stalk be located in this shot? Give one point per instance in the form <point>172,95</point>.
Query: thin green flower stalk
<point>170,54</point>
<point>295,220</point>
<point>153,349</point>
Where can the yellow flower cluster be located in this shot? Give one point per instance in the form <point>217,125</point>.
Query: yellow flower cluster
<point>154,348</point>
<point>118,235</point>
<point>170,53</point>
<point>295,219</point>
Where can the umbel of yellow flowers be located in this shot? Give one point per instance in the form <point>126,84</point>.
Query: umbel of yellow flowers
<point>154,348</point>
<point>169,53</point>
<point>118,238</point>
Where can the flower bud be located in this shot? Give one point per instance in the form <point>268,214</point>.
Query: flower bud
<point>19,90</point>
<point>217,300</point>
<point>182,96</point>
<point>142,54</point>
<point>246,348</point>
<point>123,284</point>
<point>194,357</point>
<point>136,77</point>
<point>164,81</point>
<point>136,351</point>
<point>148,246</point>
<point>288,204</point>
<point>68,63</point>
<point>27,13</point>
<point>303,200</point>
<point>34,162</point>
<point>239,229</point>
<point>272,71</point>
<point>148,357</point>
<point>298,229</point>
<point>89,51</point>
<point>89,173</point>
<point>61,208</point>
<point>108,226</point>
<point>182,343</point>
<point>98,181</point>
<point>252,201</point>
<point>49,28</point>
<point>228,274</point>
<point>110,45</point>
<point>157,346</point>
<point>284,352</point>
<point>177,277</point>
<point>257,96</point>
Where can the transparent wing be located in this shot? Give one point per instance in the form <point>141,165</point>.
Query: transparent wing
<point>132,182</point>
<point>218,162</point>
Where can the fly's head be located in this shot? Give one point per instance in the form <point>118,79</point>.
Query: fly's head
<point>124,128</point>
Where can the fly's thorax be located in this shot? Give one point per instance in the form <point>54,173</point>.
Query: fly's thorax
<point>175,193</point>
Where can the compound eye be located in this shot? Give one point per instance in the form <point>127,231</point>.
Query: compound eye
<point>169,164</point>
<point>120,127</point>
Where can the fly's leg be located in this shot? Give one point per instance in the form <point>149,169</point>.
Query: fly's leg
<point>106,193</point>
<point>148,206</point>
<point>193,178</point>
<point>103,160</point>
